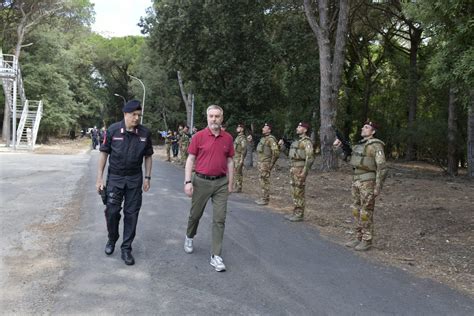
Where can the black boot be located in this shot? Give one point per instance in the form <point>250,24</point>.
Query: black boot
<point>109,248</point>
<point>128,258</point>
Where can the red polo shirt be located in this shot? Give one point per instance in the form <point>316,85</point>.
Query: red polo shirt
<point>211,152</point>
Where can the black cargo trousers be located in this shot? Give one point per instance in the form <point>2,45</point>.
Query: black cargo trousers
<point>126,189</point>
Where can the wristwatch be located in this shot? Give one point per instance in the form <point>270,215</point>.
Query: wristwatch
<point>186,182</point>
<point>147,177</point>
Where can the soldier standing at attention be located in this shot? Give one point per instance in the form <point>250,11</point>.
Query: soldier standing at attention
<point>168,141</point>
<point>126,144</point>
<point>268,153</point>
<point>184,144</point>
<point>301,155</point>
<point>368,162</point>
<point>240,148</point>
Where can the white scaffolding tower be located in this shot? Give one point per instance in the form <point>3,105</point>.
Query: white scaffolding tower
<point>29,112</point>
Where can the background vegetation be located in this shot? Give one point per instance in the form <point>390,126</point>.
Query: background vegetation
<point>407,65</point>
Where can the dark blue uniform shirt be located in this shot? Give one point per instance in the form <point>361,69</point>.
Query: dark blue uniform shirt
<point>126,149</point>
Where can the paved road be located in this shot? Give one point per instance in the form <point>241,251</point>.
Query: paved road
<point>273,267</point>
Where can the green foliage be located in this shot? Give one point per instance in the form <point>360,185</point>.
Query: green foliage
<point>57,69</point>
<point>257,59</point>
<point>249,57</point>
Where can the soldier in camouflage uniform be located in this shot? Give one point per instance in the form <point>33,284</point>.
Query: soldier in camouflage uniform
<point>301,155</point>
<point>240,148</point>
<point>368,162</point>
<point>268,153</point>
<point>168,141</point>
<point>184,144</point>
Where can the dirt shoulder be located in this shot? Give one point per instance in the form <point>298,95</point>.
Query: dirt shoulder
<point>424,221</point>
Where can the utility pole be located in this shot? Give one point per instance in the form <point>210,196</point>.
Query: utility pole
<point>143,100</point>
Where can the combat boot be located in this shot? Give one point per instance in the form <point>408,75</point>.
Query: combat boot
<point>363,245</point>
<point>296,218</point>
<point>261,202</point>
<point>288,216</point>
<point>352,243</point>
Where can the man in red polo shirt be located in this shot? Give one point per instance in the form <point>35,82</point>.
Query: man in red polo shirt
<point>212,151</point>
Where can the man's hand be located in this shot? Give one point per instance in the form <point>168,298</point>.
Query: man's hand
<point>99,185</point>
<point>146,185</point>
<point>376,192</point>
<point>188,189</point>
<point>337,143</point>
<point>230,187</point>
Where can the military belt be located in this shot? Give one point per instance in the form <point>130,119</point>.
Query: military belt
<point>364,176</point>
<point>297,163</point>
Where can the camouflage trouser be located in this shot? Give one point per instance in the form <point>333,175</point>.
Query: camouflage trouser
<point>184,157</point>
<point>168,148</point>
<point>264,171</point>
<point>297,190</point>
<point>363,202</point>
<point>238,175</point>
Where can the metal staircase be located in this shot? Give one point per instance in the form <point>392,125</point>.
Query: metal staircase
<point>25,114</point>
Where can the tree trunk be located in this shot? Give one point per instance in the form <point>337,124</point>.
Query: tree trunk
<point>415,40</point>
<point>165,120</point>
<point>331,61</point>
<point>367,94</point>
<point>187,99</point>
<point>470,136</point>
<point>248,160</point>
<point>7,126</point>
<point>327,110</point>
<point>452,133</point>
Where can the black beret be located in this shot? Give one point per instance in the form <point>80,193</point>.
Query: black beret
<point>131,106</point>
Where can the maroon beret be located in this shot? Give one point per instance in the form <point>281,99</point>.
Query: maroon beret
<point>372,124</point>
<point>304,124</point>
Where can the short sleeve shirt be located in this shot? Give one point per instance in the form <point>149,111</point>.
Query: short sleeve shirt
<point>211,152</point>
<point>126,148</point>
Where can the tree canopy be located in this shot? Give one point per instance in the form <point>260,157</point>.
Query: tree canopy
<point>406,65</point>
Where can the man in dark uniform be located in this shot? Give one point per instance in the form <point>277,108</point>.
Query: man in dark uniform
<point>126,144</point>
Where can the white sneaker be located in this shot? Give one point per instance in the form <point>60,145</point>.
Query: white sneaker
<point>217,263</point>
<point>188,245</point>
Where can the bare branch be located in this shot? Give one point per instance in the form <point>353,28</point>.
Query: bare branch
<point>312,19</point>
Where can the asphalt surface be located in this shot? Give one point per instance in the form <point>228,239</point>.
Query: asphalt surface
<point>273,267</point>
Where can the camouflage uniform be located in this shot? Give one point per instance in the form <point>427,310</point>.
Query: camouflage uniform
<point>168,145</point>
<point>301,157</point>
<point>240,147</point>
<point>268,153</point>
<point>185,139</point>
<point>368,161</point>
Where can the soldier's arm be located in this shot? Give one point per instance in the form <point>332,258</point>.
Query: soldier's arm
<point>244,148</point>
<point>381,172</point>
<point>275,151</point>
<point>309,152</point>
